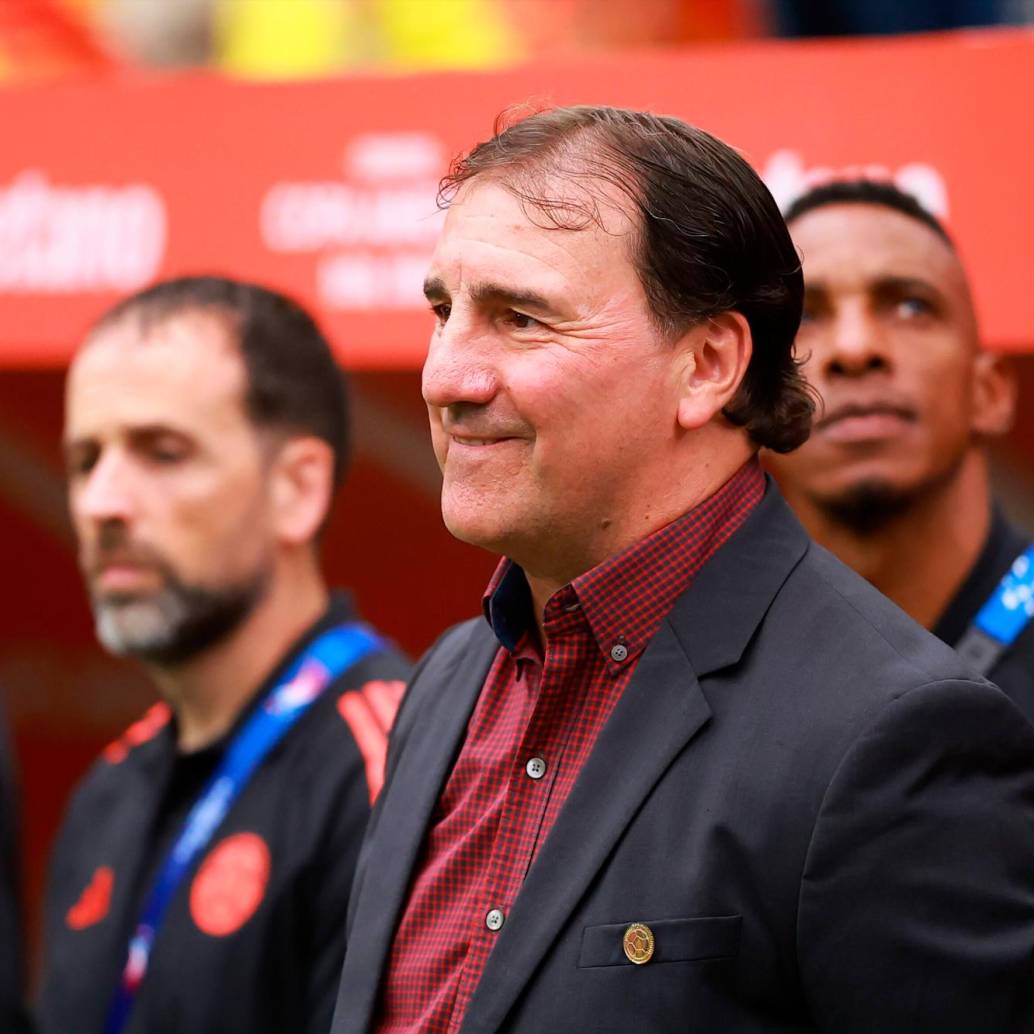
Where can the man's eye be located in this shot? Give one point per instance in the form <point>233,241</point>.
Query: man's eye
<point>80,464</point>
<point>910,308</point>
<point>441,311</point>
<point>521,320</point>
<point>167,452</point>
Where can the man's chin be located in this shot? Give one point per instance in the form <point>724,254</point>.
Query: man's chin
<point>170,627</point>
<point>132,626</point>
<point>474,530</point>
<point>868,506</point>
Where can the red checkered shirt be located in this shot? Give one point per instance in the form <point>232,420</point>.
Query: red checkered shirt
<point>534,725</point>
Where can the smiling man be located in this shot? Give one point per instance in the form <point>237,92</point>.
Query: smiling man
<point>894,479</point>
<point>200,879</point>
<point>688,771</point>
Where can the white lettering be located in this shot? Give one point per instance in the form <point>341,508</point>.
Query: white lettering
<point>84,238</point>
<point>364,280</point>
<point>300,217</point>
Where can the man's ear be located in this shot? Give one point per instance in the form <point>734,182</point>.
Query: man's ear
<point>301,483</point>
<point>715,356</point>
<point>994,394</point>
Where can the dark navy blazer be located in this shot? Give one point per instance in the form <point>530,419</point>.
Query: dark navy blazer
<point>827,822</point>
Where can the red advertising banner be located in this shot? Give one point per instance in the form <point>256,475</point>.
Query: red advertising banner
<point>326,189</point>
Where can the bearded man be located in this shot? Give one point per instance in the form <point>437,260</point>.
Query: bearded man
<point>200,880</point>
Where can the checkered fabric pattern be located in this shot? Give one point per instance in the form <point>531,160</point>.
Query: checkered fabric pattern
<point>494,815</point>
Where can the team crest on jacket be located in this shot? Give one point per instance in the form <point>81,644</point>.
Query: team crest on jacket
<point>230,884</point>
<point>94,902</point>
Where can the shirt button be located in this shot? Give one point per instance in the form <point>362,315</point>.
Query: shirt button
<point>618,652</point>
<point>536,768</point>
<point>494,920</point>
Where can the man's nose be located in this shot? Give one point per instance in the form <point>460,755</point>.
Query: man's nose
<point>105,493</point>
<point>858,346</point>
<point>460,366</point>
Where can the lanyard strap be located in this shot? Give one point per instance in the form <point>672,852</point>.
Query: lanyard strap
<point>327,657</point>
<point>1003,617</point>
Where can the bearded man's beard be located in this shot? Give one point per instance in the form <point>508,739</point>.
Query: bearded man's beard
<point>177,622</point>
<point>868,507</point>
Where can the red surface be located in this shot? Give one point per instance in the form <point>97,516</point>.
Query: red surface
<point>342,173</point>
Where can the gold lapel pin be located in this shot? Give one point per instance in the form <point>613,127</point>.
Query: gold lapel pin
<point>638,943</point>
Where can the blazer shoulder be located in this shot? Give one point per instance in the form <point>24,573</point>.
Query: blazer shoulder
<point>868,628</point>
<point>830,659</point>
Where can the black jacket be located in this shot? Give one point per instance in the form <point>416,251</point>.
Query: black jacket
<point>827,823</point>
<point>277,973</point>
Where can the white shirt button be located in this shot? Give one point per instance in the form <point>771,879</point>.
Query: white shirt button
<point>495,919</point>
<point>618,652</point>
<point>536,768</point>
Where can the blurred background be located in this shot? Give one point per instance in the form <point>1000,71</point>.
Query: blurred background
<point>299,142</point>
<point>319,37</point>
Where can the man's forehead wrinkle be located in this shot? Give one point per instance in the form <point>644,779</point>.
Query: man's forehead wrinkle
<point>465,271</point>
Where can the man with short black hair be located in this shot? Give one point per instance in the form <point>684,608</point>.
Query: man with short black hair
<point>688,771</point>
<point>895,480</point>
<point>201,876</point>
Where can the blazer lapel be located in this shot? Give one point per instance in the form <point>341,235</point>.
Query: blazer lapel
<point>662,706</point>
<point>661,711</point>
<point>404,815</point>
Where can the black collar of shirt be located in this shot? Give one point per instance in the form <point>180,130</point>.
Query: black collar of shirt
<point>1002,546</point>
<point>508,609</point>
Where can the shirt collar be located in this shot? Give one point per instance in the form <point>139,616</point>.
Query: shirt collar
<point>507,604</point>
<point>625,598</point>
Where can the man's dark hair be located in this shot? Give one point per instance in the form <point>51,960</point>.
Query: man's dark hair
<point>709,235</point>
<point>294,384</point>
<point>863,191</point>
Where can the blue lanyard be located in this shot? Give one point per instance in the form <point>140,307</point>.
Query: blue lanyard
<point>1003,617</point>
<point>320,663</point>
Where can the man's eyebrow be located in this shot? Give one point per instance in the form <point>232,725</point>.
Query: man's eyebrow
<point>890,284</point>
<point>496,294</point>
<point>906,283</point>
<point>136,433</point>
<point>434,290</point>
<point>82,441</point>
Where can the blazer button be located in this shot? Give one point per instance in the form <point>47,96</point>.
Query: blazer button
<point>638,943</point>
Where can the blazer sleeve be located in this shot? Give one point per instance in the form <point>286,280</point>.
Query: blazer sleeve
<point>917,898</point>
